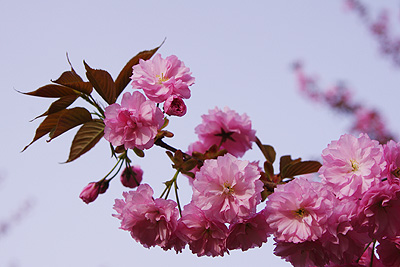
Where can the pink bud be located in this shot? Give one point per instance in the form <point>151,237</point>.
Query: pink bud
<point>175,106</point>
<point>132,177</point>
<point>90,192</point>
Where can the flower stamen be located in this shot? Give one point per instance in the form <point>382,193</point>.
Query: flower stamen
<point>301,212</point>
<point>354,165</point>
<point>162,78</point>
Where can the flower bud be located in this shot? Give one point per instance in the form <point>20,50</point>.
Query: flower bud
<point>90,192</point>
<point>175,106</point>
<point>131,177</point>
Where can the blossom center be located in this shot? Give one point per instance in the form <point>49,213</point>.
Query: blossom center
<point>228,189</point>
<point>162,78</point>
<point>301,212</point>
<point>354,165</point>
<point>396,172</point>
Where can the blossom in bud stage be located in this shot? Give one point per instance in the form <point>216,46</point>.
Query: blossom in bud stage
<point>174,106</point>
<point>150,221</point>
<point>379,211</point>
<point>298,210</point>
<point>160,78</point>
<point>134,123</point>
<point>351,165</point>
<point>132,177</point>
<point>251,232</point>
<point>227,129</point>
<point>227,189</point>
<point>93,189</point>
<point>204,235</point>
<point>391,151</point>
<point>90,192</point>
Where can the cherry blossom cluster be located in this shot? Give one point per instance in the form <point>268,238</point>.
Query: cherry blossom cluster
<point>354,206</point>
<point>380,29</point>
<point>340,98</point>
<point>344,217</point>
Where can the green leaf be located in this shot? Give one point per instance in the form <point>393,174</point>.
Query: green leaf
<point>124,76</point>
<point>59,105</point>
<point>47,126</point>
<point>102,83</point>
<point>299,168</point>
<point>86,138</point>
<point>53,91</point>
<point>69,119</point>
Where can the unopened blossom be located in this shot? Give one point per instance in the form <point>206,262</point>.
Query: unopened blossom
<point>227,129</point>
<point>90,192</point>
<point>298,210</point>
<point>391,151</point>
<point>150,221</point>
<point>205,236</point>
<point>389,251</point>
<point>134,123</point>
<point>250,233</point>
<point>174,106</point>
<point>93,189</point>
<point>379,211</point>
<point>160,78</point>
<point>351,165</point>
<point>131,177</point>
<point>227,189</point>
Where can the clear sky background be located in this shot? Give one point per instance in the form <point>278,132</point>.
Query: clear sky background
<point>241,56</point>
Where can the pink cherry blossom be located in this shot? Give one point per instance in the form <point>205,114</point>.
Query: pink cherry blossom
<point>227,189</point>
<point>250,233</point>
<point>134,123</point>
<point>351,165</point>
<point>389,251</point>
<point>227,129</point>
<point>379,211</point>
<point>150,221</point>
<point>391,152</point>
<point>308,253</point>
<point>174,106</point>
<point>298,210</point>
<point>160,78</point>
<point>132,177</point>
<point>342,240</point>
<point>204,235</point>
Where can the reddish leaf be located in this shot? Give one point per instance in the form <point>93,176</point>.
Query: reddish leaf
<point>59,105</point>
<point>102,83</point>
<point>300,168</point>
<point>47,126</point>
<point>68,77</point>
<point>269,169</point>
<point>124,76</point>
<point>70,119</point>
<point>53,90</point>
<point>269,153</point>
<point>86,138</point>
<point>286,160</point>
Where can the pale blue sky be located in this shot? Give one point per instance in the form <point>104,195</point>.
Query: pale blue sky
<point>240,55</point>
